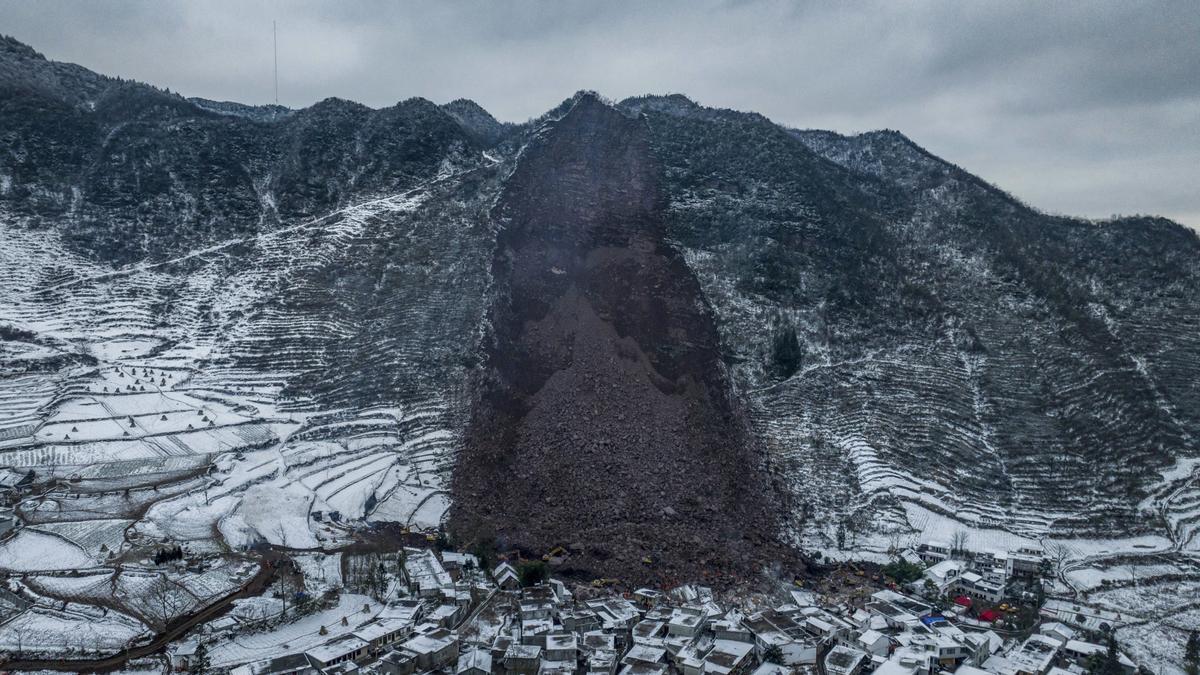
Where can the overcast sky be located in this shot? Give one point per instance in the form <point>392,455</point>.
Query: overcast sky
<point>1084,108</point>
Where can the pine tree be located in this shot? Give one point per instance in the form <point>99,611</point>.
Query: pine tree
<point>773,654</point>
<point>1110,663</point>
<point>201,663</point>
<point>787,354</point>
<point>1191,658</point>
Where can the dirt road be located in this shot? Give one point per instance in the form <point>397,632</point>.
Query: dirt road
<point>178,628</point>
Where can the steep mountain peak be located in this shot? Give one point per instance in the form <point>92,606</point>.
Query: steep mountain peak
<point>476,120</point>
<point>591,103</point>
<point>466,105</point>
<point>418,102</point>
<point>334,104</point>
<point>675,104</point>
<point>11,47</point>
<point>23,68</point>
<point>679,105</point>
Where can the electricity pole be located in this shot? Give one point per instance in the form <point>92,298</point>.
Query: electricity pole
<point>275,39</point>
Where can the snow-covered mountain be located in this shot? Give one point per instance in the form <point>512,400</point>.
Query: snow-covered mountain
<point>731,334</point>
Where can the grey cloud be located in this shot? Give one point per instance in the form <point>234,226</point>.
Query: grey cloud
<point>1083,108</point>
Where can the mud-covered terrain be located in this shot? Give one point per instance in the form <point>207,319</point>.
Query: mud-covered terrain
<point>605,415</point>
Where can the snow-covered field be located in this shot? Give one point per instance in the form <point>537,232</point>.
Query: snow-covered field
<point>78,629</point>
<point>182,403</point>
<point>298,635</point>
<point>32,551</point>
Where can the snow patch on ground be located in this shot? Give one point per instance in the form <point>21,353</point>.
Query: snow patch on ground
<point>32,551</point>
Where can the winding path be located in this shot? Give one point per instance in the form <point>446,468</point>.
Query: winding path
<point>176,630</point>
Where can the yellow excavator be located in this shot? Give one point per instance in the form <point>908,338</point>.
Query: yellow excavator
<point>554,553</point>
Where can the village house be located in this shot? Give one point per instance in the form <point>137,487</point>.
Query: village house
<point>933,552</point>
<point>444,615</point>
<point>650,633</point>
<point>976,586</point>
<point>426,576</point>
<point>647,597</point>
<point>474,662</point>
<point>602,663</point>
<point>1080,616</point>
<point>641,668</point>
<point>382,633</point>
<point>842,660</point>
<point>563,647</point>
<point>579,620</point>
<point>522,659</point>
<point>644,654</point>
<point>291,664</point>
<point>731,629</point>
<point>506,577</point>
<point>397,662</point>
<point>14,483</point>
<point>455,562</point>
<point>432,650</point>
<point>729,657</point>
<point>686,622</point>
<point>1025,562</point>
<point>1034,657</point>
<point>1078,652</point>
<point>1057,631</point>
<point>348,648</point>
<point>872,642</point>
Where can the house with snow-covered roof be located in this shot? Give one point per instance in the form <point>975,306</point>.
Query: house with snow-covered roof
<point>474,662</point>
<point>872,642</point>
<point>772,629</point>
<point>426,576</point>
<point>436,649</point>
<point>1079,651</point>
<point>523,659</point>
<point>291,664</point>
<point>340,650</point>
<point>1058,631</point>
<point>381,633</point>
<point>843,660</point>
<point>506,577</point>
<point>729,657</point>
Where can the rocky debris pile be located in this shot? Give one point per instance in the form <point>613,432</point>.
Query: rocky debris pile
<point>605,416</point>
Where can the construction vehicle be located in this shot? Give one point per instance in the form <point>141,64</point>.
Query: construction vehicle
<point>603,583</point>
<point>647,560</point>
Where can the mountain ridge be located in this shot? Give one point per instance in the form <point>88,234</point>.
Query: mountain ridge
<point>906,348</point>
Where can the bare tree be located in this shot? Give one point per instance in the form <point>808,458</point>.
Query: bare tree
<point>1058,553</point>
<point>290,584</point>
<point>166,600</point>
<point>1132,568</point>
<point>958,543</point>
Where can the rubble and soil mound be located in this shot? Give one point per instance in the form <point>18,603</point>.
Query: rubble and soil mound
<point>605,414</point>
